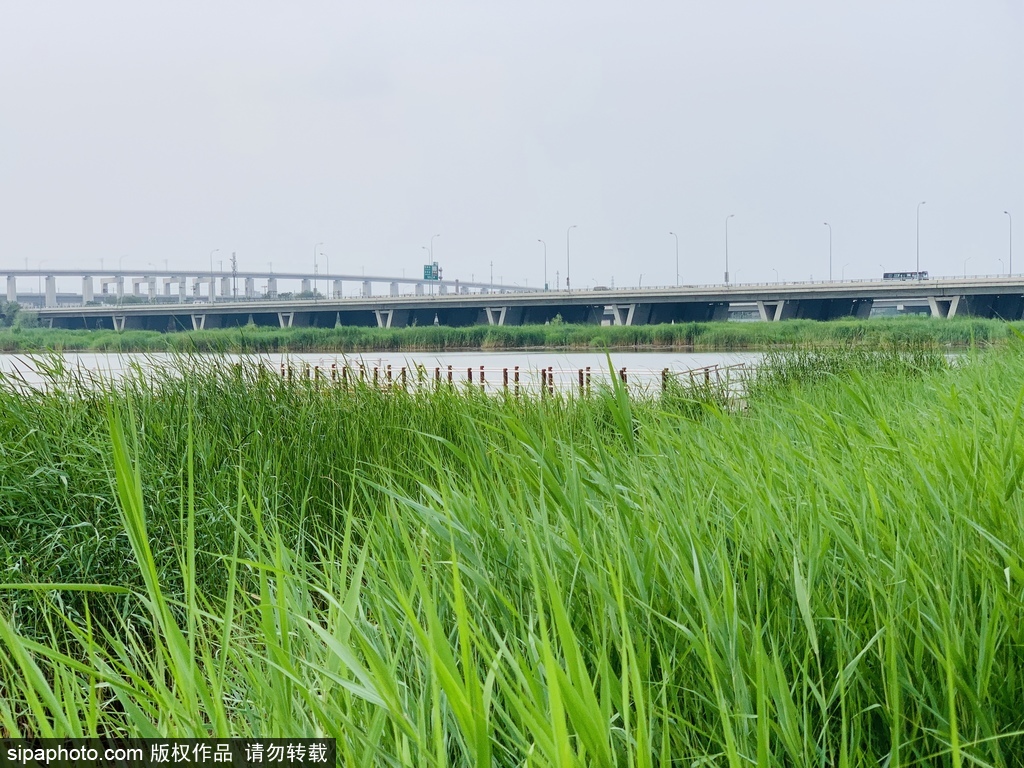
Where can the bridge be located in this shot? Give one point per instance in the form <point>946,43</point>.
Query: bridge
<point>184,286</point>
<point>993,297</point>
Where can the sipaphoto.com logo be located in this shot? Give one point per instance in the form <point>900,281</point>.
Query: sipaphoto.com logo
<point>168,753</point>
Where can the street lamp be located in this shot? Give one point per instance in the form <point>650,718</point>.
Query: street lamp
<point>842,273</point>
<point>545,262</point>
<point>919,237</point>
<point>1011,242</point>
<point>315,270</point>
<point>432,247</point>
<point>965,264</point>
<point>731,215</point>
<point>567,256</point>
<point>829,251</point>
<point>215,250</point>
<point>776,274</point>
<point>1001,271</point>
<point>677,256</point>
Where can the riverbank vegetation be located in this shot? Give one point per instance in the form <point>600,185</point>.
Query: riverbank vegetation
<point>830,576</point>
<point>878,332</point>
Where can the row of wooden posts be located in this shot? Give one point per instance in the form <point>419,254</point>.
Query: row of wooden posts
<point>385,376</point>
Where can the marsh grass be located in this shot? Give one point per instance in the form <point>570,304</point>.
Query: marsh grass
<point>873,333</point>
<point>832,576</point>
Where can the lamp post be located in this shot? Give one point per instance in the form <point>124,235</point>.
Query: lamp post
<point>842,273</point>
<point>215,250</point>
<point>677,256</point>
<point>567,256</point>
<point>315,270</point>
<point>545,262</point>
<point>776,274</point>
<point>829,251</point>
<point>919,237</point>
<point>731,215</point>
<point>965,265</point>
<point>1001,270</point>
<point>1011,242</point>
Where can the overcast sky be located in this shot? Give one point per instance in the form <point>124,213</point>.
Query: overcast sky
<point>162,131</point>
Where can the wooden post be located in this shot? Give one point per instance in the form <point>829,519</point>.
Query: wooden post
<point>551,379</point>
<point>581,381</point>
<point>622,374</point>
<point>588,379</point>
<point>376,382</point>
<point>504,378</point>
<point>516,374</point>
<point>482,386</point>
<point>664,379</point>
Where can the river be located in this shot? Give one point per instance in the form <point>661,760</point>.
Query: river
<point>561,369</point>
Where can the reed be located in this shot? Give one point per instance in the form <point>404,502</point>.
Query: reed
<point>831,576</point>
<point>878,332</point>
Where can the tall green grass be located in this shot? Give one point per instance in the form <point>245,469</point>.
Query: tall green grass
<point>832,576</point>
<point>910,331</point>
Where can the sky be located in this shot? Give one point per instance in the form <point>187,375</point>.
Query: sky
<point>149,132</point>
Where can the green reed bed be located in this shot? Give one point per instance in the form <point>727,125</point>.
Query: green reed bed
<point>830,577</point>
<point>878,332</point>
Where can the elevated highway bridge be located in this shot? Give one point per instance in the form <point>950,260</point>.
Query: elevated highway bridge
<point>992,297</point>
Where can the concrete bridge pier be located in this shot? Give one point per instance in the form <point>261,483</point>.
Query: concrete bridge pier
<point>336,289</point>
<point>87,295</point>
<point>307,286</point>
<point>12,289</point>
<point>119,281</point>
<point>367,288</point>
<point>150,286</point>
<point>225,287</point>
<point>774,311</point>
<point>210,283</point>
<point>394,289</point>
<point>250,288</point>
<point>944,306</point>
<point>622,314</point>
<point>272,289</point>
<point>51,291</point>
<point>419,289</point>
<point>496,315</point>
